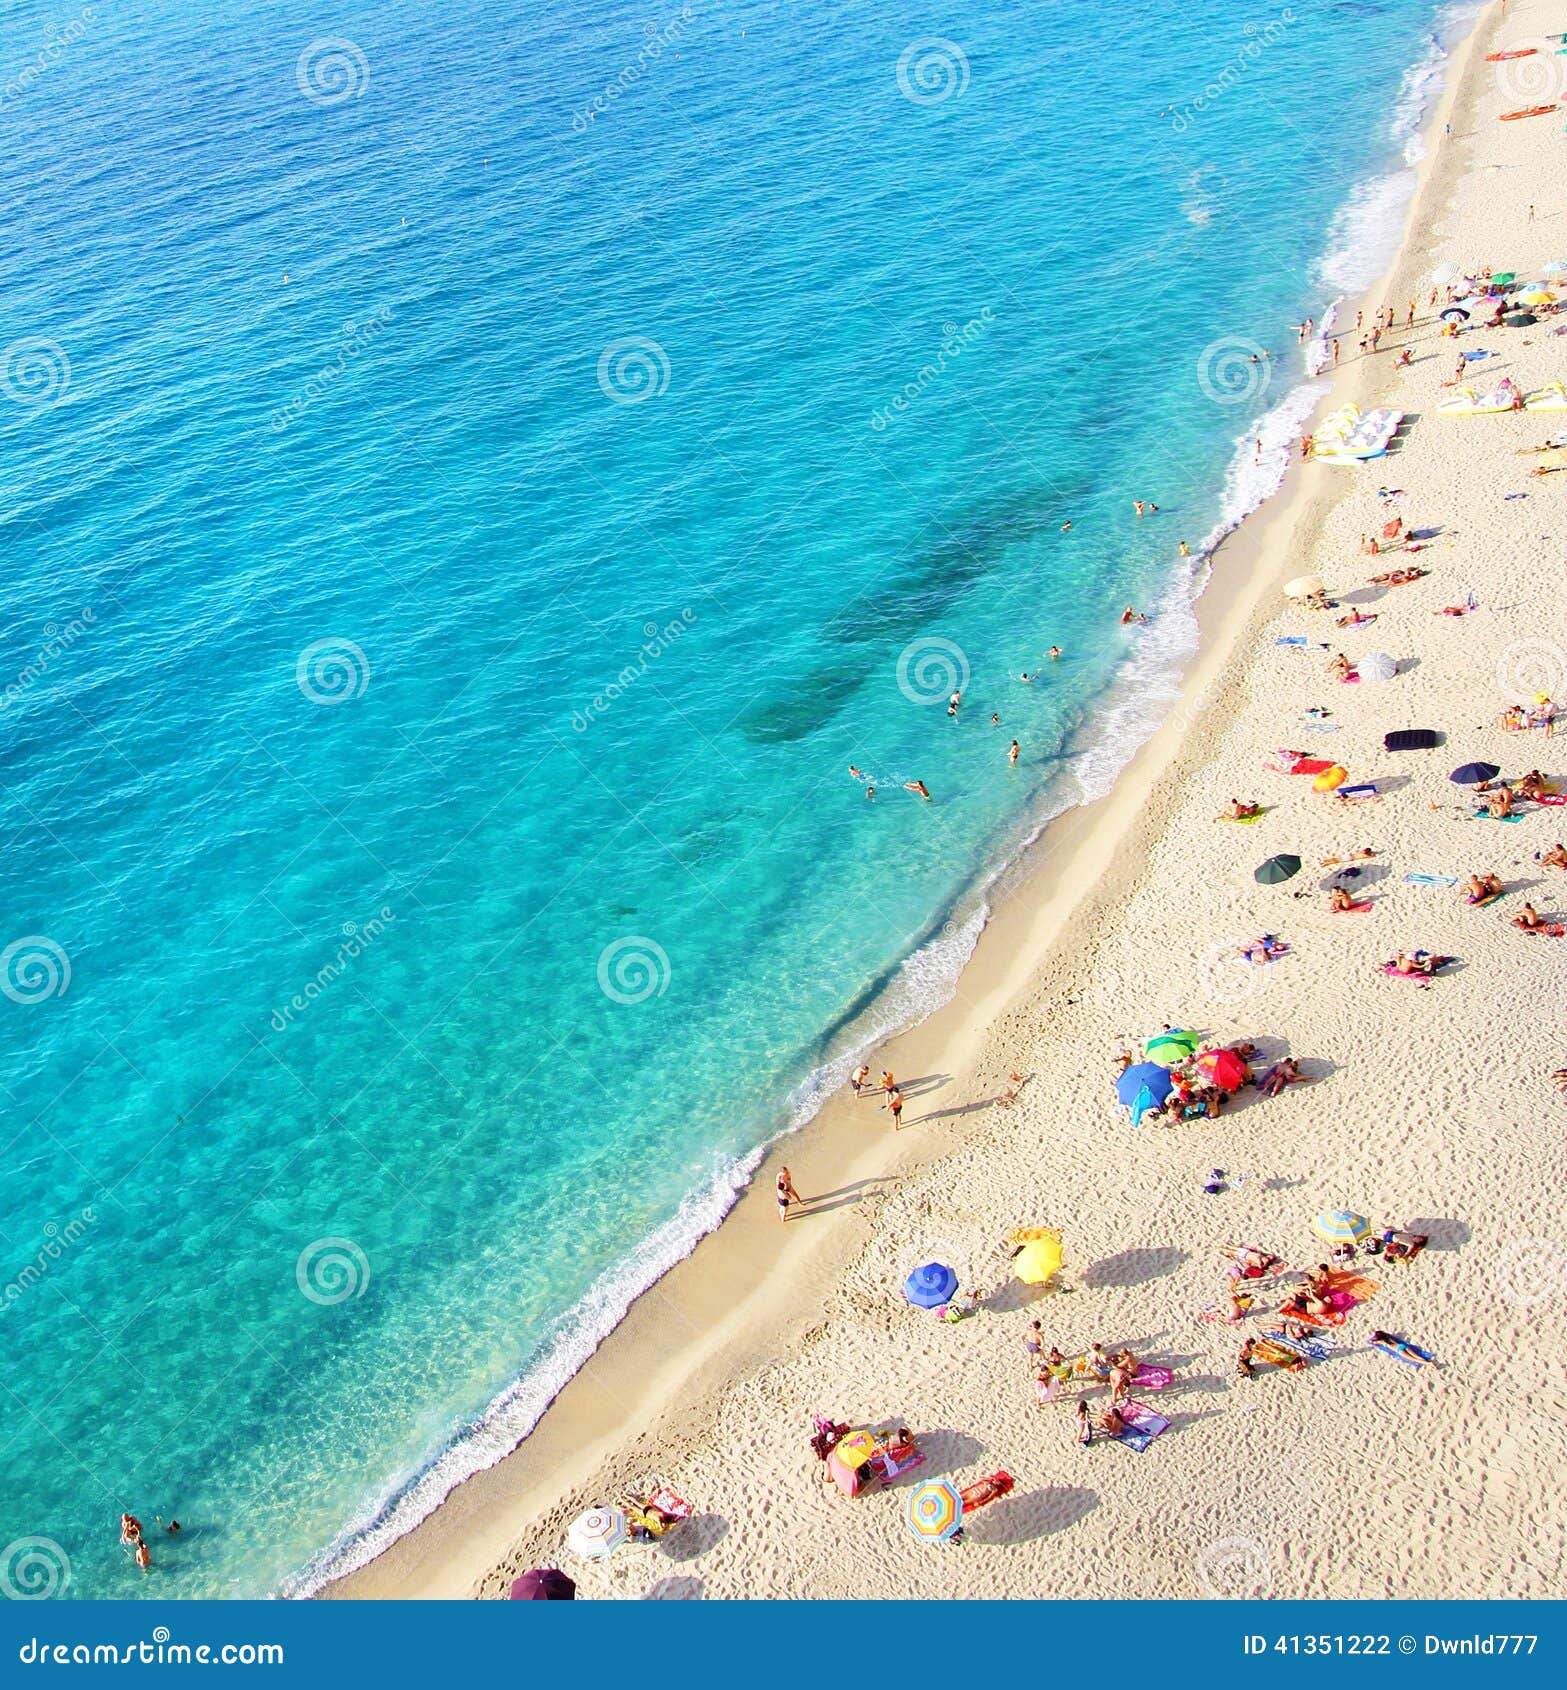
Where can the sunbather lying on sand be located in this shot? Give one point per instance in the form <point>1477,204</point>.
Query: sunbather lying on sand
<point>1400,577</point>
<point>1280,1075</point>
<point>1419,963</point>
<point>1236,811</point>
<point>1402,1348</point>
<point>1354,620</point>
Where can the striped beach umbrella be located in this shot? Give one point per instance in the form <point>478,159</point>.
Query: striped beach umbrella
<point>600,1531</point>
<point>1171,1047</point>
<point>935,1510</point>
<point>1341,1226</point>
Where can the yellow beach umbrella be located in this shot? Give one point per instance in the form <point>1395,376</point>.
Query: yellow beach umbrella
<point>1038,1262</point>
<point>1538,296</point>
<point>855,1449</point>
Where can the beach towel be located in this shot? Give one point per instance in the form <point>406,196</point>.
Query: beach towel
<point>1246,821</point>
<point>1553,798</point>
<point>1293,639</point>
<point>1345,1282</point>
<point>1277,1355</point>
<point>1367,789</point>
<point>1333,1317</point>
<point>1418,877</point>
<point>1486,816</point>
<point>1489,898</point>
<point>1311,765</point>
<point>1214,1315</point>
<point>665,1500</point>
<point>1153,1378</point>
<point>1142,1426</point>
<point>1320,727</point>
<point>1313,1349</point>
<point>1359,908</point>
<point>1391,970</point>
<point>1551,930</point>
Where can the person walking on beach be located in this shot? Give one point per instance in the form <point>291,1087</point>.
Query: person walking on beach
<point>894,1105</point>
<point>786,1194</point>
<point>1082,1426</point>
<point>858,1078</point>
<point>1033,1343</point>
<point>1335,352</point>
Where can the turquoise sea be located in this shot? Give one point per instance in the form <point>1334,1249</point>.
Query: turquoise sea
<point>471,482</point>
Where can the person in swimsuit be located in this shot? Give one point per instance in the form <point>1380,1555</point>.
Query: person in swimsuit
<point>1012,752</point>
<point>1339,900</point>
<point>858,1078</point>
<point>1054,653</point>
<point>786,1194</point>
<point>1528,918</point>
<point>917,786</point>
<point>894,1104</point>
<point>1556,857</point>
<point>1083,1427</point>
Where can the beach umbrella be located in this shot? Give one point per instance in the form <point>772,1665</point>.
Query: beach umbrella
<point>1277,870</point>
<point>1037,1263</point>
<point>1504,278</point>
<point>1224,1068</point>
<point>1557,267</point>
<point>1537,296</point>
<point>1144,1076</point>
<point>854,1449</point>
<point>930,1286</point>
<point>544,1584</point>
<point>600,1531</point>
<point>1473,774</point>
<point>1303,586</point>
<point>1455,314</point>
<point>1341,1226</point>
<point>935,1510</point>
<point>1445,273</point>
<point>1171,1046</point>
<point>1377,666</point>
<point>1520,319</point>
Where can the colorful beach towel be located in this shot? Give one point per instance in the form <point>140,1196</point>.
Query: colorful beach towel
<point>1153,1378</point>
<point>1418,877</point>
<point>1142,1426</point>
<point>1489,898</point>
<point>1277,1355</point>
<point>1367,789</point>
<point>1345,1282</point>
<point>1247,821</point>
<point>1486,816</point>
<point>1313,1349</point>
<point>1408,1361</point>
<point>1310,765</point>
<point>1359,908</point>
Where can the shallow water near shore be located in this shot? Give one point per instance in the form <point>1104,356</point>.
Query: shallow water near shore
<point>431,680</point>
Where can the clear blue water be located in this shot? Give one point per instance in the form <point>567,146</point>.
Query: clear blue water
<point>338,767</point>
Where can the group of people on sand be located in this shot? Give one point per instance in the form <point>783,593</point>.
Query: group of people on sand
<point>1054,1371</point>
<point>887,1086</point>
<point>1524,718</point>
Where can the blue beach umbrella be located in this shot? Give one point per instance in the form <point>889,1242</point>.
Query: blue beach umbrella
<point>1472,774</point>
<point>930,1286</point>
<point>1144,1079</point>
<point>1341,1226</point>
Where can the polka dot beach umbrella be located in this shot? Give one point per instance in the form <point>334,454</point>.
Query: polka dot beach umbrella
<point>935,1510</point>
<point>1341,1226</point>
<point>600,1531</point>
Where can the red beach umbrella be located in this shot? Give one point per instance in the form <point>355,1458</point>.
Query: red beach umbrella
<point>1224,1068</point>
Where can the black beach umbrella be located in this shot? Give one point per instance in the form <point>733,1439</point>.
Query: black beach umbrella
<point>1520,319</point>
<point>1277,870</point>
<point>1455,314</point>
<point>1472,774</point>
<point>544,1584</point>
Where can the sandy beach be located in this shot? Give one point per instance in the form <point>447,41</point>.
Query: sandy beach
<point>1426,1107</point>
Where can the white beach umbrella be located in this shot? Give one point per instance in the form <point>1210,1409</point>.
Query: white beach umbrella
<point>1445,273</point>
<point>1557,267</point>
<point>600,1531</point>
<point>1377,666</point>
<point>1303,586</point>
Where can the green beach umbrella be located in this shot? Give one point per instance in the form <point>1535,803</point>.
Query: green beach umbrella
<point>1277,870</point>
<point>1173,1045</point>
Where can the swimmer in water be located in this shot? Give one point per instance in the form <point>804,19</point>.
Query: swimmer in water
<point>1128,615</point>
<point>1186,550</point>
<point>1065,526</point>
<point>995,719</point>
<point>953,703</point>
<point>1054,653</point>
<point>916,786</point>
<point>856,774</point>
<point>870,791</point>
<point>1012,752</point>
